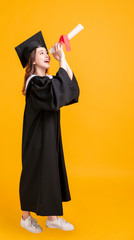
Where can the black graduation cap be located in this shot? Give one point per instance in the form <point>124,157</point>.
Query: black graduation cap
<point>25,48</point>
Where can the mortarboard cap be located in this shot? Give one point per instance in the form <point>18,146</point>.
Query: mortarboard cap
<point>25,48</point>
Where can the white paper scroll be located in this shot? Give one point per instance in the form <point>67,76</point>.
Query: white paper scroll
<point>75,31</point>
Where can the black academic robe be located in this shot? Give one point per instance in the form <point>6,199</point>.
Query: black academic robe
<point>43,182</point>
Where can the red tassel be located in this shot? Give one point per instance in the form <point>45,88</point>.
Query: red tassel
<point>65,40</point>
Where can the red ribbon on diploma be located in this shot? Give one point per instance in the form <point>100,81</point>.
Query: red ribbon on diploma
<point>65,40</point>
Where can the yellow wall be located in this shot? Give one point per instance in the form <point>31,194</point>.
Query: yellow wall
<point>97,132</point>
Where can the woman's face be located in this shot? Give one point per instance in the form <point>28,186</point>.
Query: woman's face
<point>42,58</point>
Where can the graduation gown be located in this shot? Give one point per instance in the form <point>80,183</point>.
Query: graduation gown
<point>43,181</point>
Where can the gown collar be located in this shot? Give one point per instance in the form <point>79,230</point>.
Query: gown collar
<point>30,77</point>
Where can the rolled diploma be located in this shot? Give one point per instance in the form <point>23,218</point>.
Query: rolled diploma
<point>70,35</point>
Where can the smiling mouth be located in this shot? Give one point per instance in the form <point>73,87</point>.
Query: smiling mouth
<point>46,61</point>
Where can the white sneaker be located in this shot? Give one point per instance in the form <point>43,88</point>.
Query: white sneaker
<point>31,224</point>
<point>59,223</point>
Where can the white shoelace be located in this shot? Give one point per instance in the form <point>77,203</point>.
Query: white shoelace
<point>33,221</point>
<point>62,220</point>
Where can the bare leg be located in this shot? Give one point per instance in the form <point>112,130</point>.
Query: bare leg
<point>25,214</point>
<point>52,217</point>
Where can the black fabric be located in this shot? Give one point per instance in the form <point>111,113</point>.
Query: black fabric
<point>44,182</point>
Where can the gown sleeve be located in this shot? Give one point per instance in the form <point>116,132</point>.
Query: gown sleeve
<point>52,94</point>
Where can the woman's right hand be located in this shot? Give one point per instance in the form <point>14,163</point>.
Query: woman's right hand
<point>59,53</point>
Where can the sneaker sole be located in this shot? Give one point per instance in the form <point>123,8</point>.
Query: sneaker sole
<point>30,230</point>
<point>60,228</point>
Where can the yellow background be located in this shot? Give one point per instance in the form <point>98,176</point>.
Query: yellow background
<point>97,132</point>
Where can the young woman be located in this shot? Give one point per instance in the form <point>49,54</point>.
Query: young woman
<point>44,183</point>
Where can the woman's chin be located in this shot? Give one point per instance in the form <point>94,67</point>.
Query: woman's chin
<point>47,65</point>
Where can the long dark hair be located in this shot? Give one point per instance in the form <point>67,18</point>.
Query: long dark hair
<point>30,69</point>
